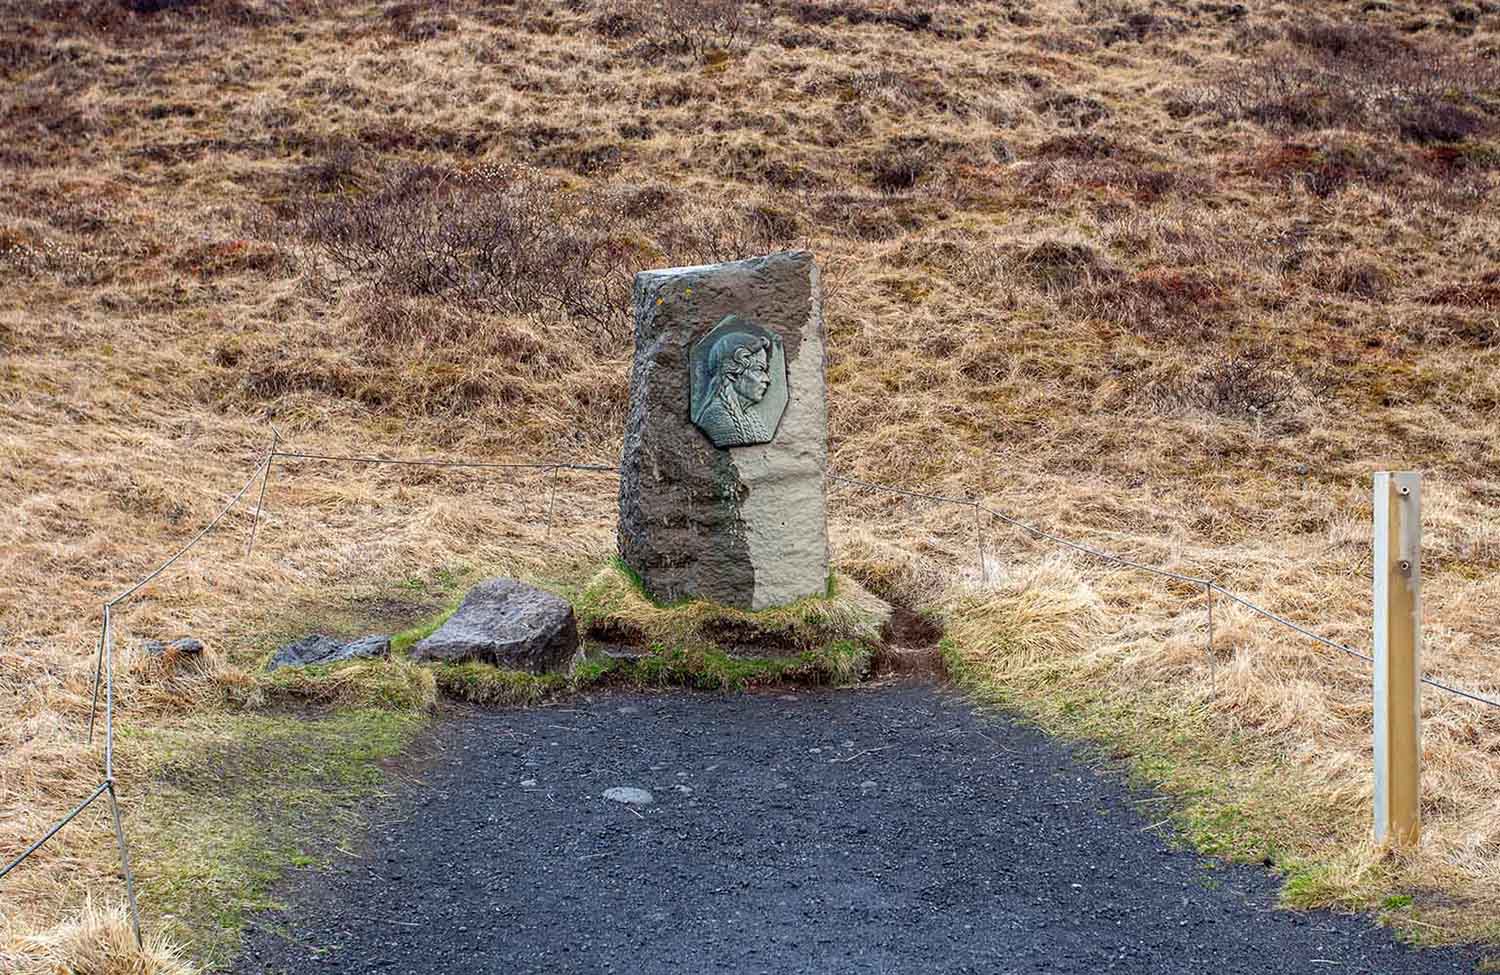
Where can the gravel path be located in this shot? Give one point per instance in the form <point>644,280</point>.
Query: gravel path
<point>889,829</point>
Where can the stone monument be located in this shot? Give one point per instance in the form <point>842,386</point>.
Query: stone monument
<point>726,437</point>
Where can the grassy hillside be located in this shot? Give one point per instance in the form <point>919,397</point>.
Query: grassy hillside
<point>1173,278</point>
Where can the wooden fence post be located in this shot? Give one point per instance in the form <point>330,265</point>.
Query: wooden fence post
<point>1398,656</point>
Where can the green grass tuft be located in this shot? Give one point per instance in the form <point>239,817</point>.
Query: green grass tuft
<point>406,639</point>
<point>614,607</point>
<point>481,683</point>
<point>236,799</point>
<point>393,684</point>
<point>709,668</point>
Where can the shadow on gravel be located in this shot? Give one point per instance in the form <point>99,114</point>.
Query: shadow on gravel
<point>887,829</point>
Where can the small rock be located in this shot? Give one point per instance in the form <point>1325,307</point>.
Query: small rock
<point>627,709</point>
<point>868,786</point>
<point>321,649</point>
<point>527,783</point>
<point>508,624</point>
<point>686,790</point>
<point>629,795</point>
<point>186,647</point>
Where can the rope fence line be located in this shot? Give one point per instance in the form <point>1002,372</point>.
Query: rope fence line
<point>104,662</point>
<point>528,465</point>
<point>104,655</point>
<point>1209,586</point>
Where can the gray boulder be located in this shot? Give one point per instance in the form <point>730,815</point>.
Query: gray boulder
<point>184,647</point>
<point>726,434</point>
<point>508,624</point>
<point>320,649</point>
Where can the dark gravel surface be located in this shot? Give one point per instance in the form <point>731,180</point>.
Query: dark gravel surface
<point>885,830</point>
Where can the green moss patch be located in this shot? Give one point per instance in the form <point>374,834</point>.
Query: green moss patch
<point>234,800</point>
<point>481,683</point>
<point>613,608</point>
<point>394,684</point>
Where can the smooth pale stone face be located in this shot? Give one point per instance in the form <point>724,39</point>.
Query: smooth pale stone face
<point>726,438</point>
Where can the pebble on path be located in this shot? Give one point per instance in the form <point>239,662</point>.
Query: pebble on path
<point>629,795</point>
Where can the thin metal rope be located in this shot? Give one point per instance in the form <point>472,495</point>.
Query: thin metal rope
<point>196,538</point>
<point>910,494</point>
<point>474,465</point>
<point>1461,693</point>
<point>1098,553</point>
<point>53,831</point>
<point>1288,623</point>
<point>1209,585</point>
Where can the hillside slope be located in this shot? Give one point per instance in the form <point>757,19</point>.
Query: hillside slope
<point>1169,277</point>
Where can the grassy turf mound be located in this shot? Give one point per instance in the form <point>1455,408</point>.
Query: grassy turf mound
<point>827,639</point>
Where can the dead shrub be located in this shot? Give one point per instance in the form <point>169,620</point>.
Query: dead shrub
<point>1236,385</point>
<point>1081,146</point>
<point>144,19</point>
<point>869,216</point>
<point>417,22</point>
<point>899,168</point>
<point>1426,119</point>
<point>1470,159</point>
<point>212,259</point>
<point>1323,168</point>
<point>1174,291</point>
<point>1336,75</point>
<point>1119,22</point>
<point>1483,293</point>
<point>1073,110</point>
<point>1358,279</point>
<point>1144,183</point>
<point>825,12</point>
<point>713,234</point>
<point>699,28</point>
<point>491,241</point>
<point>1166,303</point>
<point>1059,265</point>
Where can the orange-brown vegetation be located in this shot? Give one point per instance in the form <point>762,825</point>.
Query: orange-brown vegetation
<point>1173,278</point>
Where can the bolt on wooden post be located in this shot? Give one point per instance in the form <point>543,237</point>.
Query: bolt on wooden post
<point>1398,655</point>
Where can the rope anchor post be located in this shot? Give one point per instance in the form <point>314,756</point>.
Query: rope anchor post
<point>1208,597</point>
<point>984,572</point>
<point>265,478</point>
<point>1398,655</point>
<point>551,500</point>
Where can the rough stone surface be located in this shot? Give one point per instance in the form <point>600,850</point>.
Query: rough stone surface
<point>744,526</point>
<point>508,624</point>
<point>320,649</point>
<point>185,647</point>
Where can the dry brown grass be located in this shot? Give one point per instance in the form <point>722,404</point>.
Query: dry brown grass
<point>1067,273</point>
<point>97,941</point>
